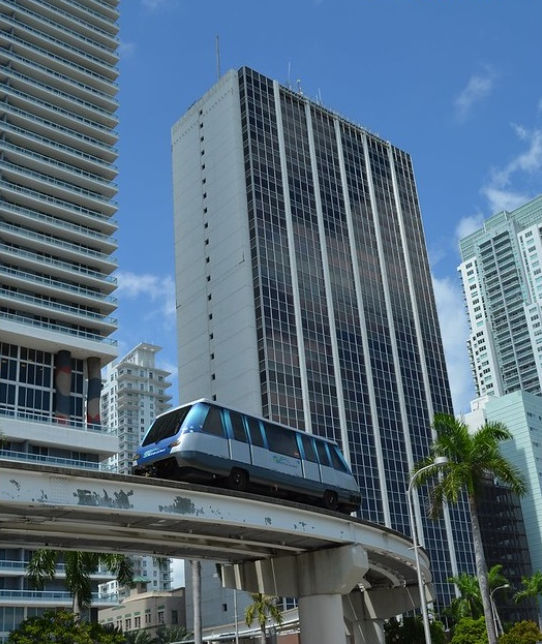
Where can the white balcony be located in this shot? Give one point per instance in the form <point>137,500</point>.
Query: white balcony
<point>41,428</point>
<point>55,288</point>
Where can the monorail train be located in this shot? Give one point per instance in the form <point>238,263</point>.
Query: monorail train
<point>206,442</point>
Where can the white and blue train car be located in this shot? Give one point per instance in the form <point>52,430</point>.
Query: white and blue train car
<point>206,442</point>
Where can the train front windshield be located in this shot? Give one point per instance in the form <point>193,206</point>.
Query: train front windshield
<point>166,425</point>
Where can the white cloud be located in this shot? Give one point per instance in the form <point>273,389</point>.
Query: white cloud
<point>499,191</point>
<point>468,225</point>
<point>478,88</point>
<point>455,330</point>
<point>126,49</point>
<point>159,290</point>
<point>153,4</point>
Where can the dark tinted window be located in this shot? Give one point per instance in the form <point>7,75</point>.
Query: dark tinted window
<point>237,426</point>
<point>336,459</point>
<point>322,453</point>
<point>308,448</point>
<point>254,432</point>
<point>213,422</point>
<point>281,440</point>
<point>166,426</point>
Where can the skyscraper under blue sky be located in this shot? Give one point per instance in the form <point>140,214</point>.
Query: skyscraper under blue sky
<point>303,288</point>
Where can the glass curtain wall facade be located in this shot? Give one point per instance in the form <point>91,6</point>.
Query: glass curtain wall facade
<point>57,150</point>
<point>341,329</point>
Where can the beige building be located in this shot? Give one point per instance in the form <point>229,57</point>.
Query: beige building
<point>148,611</point>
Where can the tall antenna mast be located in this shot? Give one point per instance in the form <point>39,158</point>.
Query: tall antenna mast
<point>217,45</point>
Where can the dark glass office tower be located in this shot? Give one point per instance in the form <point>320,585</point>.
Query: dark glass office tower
<point>304,291</point>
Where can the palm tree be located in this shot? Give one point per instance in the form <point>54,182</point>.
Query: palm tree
<point>469,604</point>
<point>263,607</point>
<point>472,457</point>
<point>532,587</point>
<point>79,567</point>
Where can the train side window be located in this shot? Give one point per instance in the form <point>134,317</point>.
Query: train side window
<point>254,432</point>
<point>322,453</point>
<point>238,427</point>
<point>308,448</point>
<point>336,459</point>
<point>281,440</point>
<point>213,422</point>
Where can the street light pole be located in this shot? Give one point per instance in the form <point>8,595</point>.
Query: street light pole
<point>439,460</point>
<point>496,621</point>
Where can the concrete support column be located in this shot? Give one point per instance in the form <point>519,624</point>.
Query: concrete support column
<point>318,579</point>
<point>63,379</point>
<point>321,619</point>
<point>94,389</point>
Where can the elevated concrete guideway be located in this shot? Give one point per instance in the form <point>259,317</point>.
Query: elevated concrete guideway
<point>341,568</point>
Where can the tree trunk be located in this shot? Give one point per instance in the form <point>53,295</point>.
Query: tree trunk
<point>264,638</point>
<point>196,596</point>
<point>481,570</point>
<point>76,609</point>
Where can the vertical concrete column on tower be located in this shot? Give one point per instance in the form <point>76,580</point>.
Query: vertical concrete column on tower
<point>63,378</point>
<point>94,389</point>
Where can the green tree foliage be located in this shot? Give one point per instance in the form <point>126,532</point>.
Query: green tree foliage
<point>472,457</point>
<point>139,637</point>
<point>469,604</point>
<point>410,630</point>
<point>532,587</point>
<point>79,566</point>
<point>63,627</point>
<point>525,632</point>
<point>262,609</point>
<point>470,631</point>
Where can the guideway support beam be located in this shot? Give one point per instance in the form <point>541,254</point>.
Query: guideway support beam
<point>318,579</point>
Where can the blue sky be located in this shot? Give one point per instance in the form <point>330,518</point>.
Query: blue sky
<point>456,83</point>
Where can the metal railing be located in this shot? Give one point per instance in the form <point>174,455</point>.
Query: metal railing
<point>49,418</point>
<point>23,319</point>
<point>57,284</point>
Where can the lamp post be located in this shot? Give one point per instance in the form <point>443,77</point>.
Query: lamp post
<point>494,614</point>
<point>439,461</point>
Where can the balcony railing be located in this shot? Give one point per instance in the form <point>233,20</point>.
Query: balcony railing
<point>57,328</point>
<point>50,107</point>
<point>53,596</point>
<point>107,52</point>
<point>10,127</point>
<point>110,185</point>
<point>53,307</point>
<point>49,417</point>
<point>57,461</point>
<point>59,243</point>
<point>72,268</point>
<point>47,37</point>
<point>59,203</point>
<point>50,125</point>
<point>48,281</point>
<point>50,181</point>
<point>58,223</point>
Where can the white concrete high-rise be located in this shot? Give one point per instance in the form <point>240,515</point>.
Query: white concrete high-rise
<point>501,271</point>
<point>57,150</point>
<point>304,292</point>
<point>134,392</point>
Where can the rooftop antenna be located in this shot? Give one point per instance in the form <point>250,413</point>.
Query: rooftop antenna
<point>320,102</point>
<point>300,91</point>
<point>289,74</point>
<point>217,47</point>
